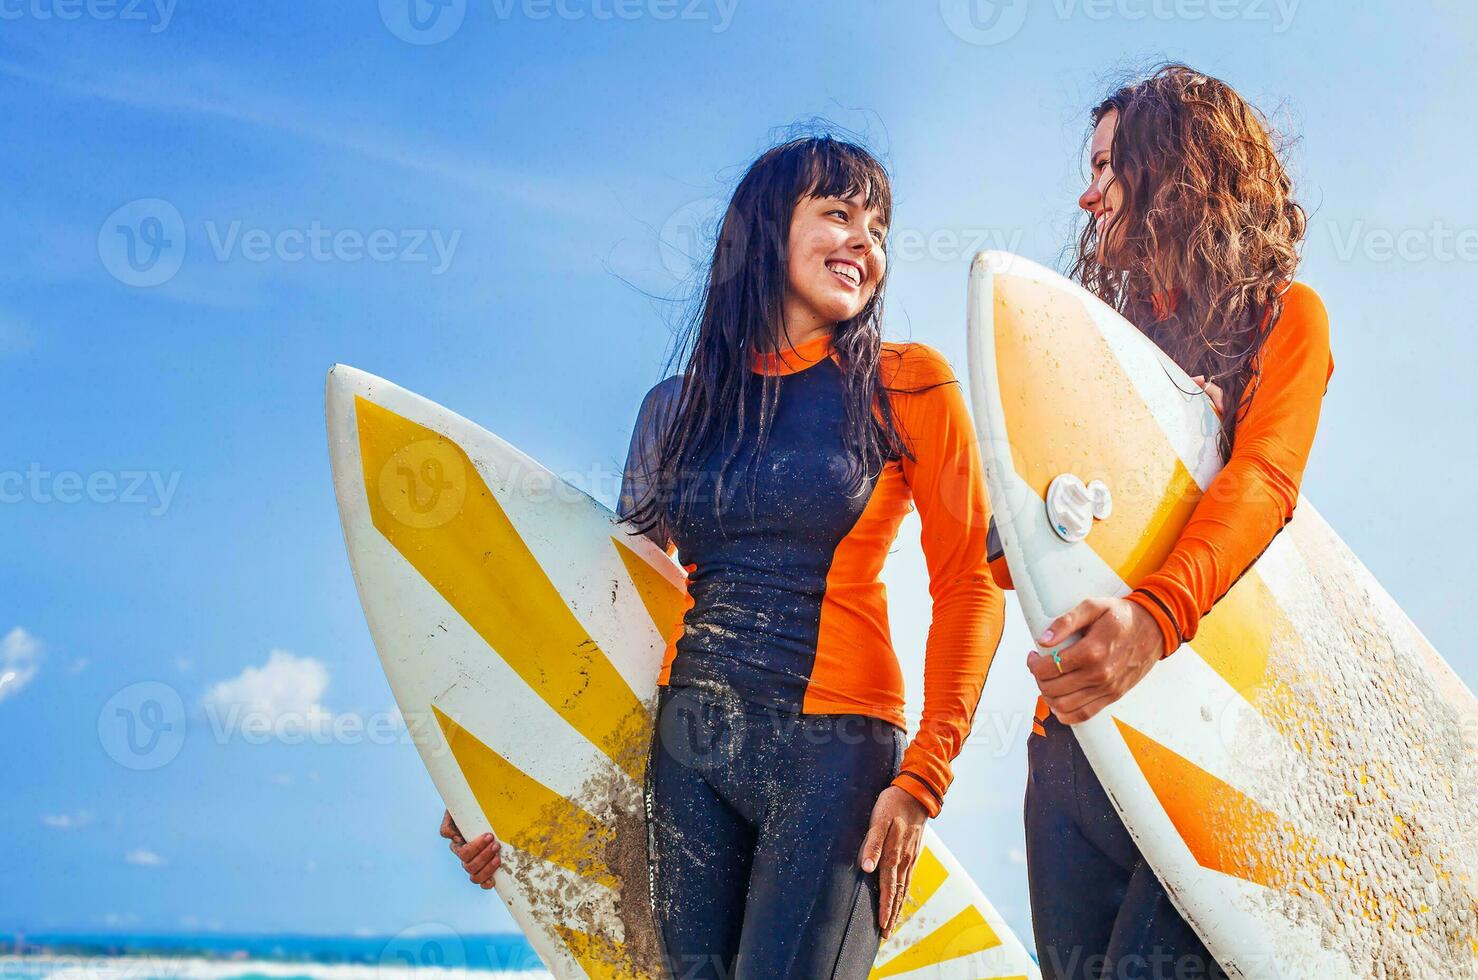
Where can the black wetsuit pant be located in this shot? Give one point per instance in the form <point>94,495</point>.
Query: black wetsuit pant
<point>756,817</point>
<point>1098,911</point>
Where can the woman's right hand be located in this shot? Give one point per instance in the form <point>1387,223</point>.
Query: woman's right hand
<point>1214,392</point>
<point>480,858</point>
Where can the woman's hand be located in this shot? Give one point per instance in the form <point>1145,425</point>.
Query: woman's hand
<point>1120,643</point>
<point>892,845</point>
<point>480,858</point>
<point>1214,392</point>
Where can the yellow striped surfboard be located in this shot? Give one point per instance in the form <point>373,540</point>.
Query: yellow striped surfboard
<point>1303,776</point>
<point>522,629</point>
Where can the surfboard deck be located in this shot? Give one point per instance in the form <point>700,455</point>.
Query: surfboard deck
<point>522,629</point>
<point>1303,775</point>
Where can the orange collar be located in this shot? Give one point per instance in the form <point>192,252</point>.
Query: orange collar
<point>792,359</point>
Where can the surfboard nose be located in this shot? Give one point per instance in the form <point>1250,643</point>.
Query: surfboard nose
<point>343,384</point>
<point>343,377</point>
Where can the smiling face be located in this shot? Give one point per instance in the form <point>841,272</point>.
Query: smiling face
<point>1104,196</point>
<point>835,261</point>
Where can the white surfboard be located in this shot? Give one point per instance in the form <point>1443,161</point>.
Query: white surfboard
<point>522,628</point>
<point>1302,776</point>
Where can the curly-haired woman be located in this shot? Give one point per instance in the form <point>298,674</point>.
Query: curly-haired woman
<point>1194,237</point>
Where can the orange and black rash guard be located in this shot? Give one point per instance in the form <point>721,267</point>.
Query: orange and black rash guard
<point>1253,496</point>
<point>785,604</point>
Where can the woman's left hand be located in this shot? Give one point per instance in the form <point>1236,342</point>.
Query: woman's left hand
<point>892,846</point>
<point>1119,645</point>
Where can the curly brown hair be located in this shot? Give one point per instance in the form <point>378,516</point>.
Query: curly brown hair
<point>1208,219</point>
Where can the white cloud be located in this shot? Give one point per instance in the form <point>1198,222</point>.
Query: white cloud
<point>184,664</point>
<point>143,858</point>
<point>284,695</point>
<point>77,666</point>
<point>20,658</point>
<point>67,821</point>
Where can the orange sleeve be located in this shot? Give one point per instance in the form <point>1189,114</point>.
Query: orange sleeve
<point>948,489</point>
<point>1253,497</point>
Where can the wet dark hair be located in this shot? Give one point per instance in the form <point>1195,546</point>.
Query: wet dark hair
<point>742,308</point>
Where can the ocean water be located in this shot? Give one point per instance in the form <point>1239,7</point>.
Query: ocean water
<point>423,953</point>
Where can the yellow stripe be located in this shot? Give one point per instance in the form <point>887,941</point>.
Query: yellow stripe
<point>928,875</point>
<point>665,602</point>
<point>966,934</point>
<point>1076,411</point>
<point>429,501</point>
<point>1236,637</point>
<point>526,813</point>
<point>600,957</point>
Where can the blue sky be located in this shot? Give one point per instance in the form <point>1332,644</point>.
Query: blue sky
<point>499,220</point>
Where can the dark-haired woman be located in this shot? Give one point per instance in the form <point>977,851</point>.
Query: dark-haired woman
<point>1194,237</point>
<point>785,811</point>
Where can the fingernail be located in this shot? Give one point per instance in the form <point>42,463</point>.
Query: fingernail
<point>869,864</point>
<point>1047,637</point>
<point>487,837</point>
